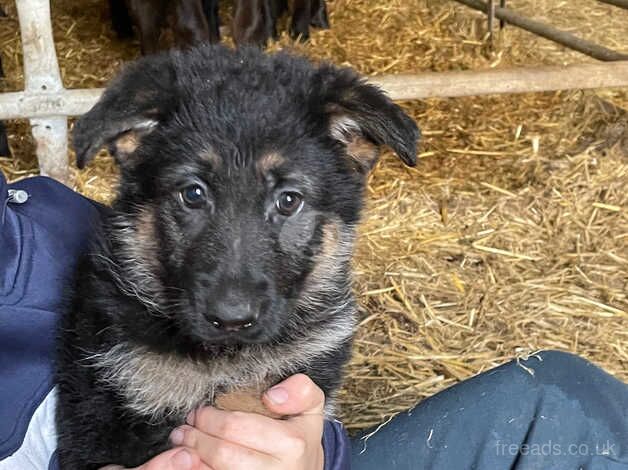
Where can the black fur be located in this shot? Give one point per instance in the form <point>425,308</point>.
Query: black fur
<point>160,270</point>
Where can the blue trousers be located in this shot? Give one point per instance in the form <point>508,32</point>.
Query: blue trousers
<point>557,412</point>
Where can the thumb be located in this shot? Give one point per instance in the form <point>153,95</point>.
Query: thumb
<point>295,396</point>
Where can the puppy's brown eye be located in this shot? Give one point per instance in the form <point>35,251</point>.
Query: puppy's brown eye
<point>193,196</point>
<point>289,202</point>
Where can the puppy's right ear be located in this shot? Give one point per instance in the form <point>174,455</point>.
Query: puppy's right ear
<point>132,106</point>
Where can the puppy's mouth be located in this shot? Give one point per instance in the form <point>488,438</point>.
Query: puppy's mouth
<point>211,337</point>
<point>225,346</point>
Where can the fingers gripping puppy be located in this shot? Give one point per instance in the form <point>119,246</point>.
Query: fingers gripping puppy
<point>224,264</point>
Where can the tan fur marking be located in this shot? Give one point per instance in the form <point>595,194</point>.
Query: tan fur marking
<point>363,152</point>
<point>336,249</point>
<point>145,237</point>
<point>137,267</point>
<point>269,162</point>
<point>211,157</point>
<point>329,245</point>
<point>127,143</point>
<point>359,149</point>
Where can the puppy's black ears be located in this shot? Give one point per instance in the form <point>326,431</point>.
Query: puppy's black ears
<point>363,118</point>
<point>132,106</point>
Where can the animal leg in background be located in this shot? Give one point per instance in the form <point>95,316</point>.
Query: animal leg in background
<point>149,18</point>
<point>301,18</point>
<point>253,22</point>
<point>212,15</point>
<point>319,17</point>
<point>5,150</point>
<point>306,13</point>
<point>278,8</point>
<point>185,19</point>
<point>190,23</point>
<point>121,20</point>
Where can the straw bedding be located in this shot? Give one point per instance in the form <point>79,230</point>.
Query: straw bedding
<point>510,237</point>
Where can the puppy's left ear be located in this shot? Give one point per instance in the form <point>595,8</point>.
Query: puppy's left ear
<point>363,118</point>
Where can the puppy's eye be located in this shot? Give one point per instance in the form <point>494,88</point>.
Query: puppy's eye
<point>193,196</point>
<point>289,203</point>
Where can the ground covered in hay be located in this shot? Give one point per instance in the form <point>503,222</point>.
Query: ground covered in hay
<point>510,237</point>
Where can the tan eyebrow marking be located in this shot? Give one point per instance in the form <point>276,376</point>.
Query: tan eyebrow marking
<point>269,162</point>
<point>211,157</point>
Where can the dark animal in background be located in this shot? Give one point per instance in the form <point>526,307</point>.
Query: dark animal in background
<point>254,21</point>
<point>5,150</point>
<point>212,15</point>
<point>305,13</point>
<point>121,20</point>
<point>225,262</point>
<point>308,13</point>
<point>319,14</point>
<point>162,24</point>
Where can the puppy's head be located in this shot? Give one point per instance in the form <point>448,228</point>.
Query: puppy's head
<point>241,183</point>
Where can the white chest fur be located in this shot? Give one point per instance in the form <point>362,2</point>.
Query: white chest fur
<point>156,385</point>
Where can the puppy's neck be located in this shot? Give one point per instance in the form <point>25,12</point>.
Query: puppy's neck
<point>158,385</point>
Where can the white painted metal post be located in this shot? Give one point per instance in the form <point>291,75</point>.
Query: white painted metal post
<point>42,76</point>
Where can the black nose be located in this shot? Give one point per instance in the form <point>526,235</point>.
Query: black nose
<point>234,316</point>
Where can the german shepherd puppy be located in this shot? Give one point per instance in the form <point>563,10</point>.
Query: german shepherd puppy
<point>225,262</point>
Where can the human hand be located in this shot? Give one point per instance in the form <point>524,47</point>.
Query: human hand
<point>173,459</point>
<point>235,440</point>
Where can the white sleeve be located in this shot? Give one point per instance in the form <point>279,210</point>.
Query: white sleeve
<point>40,440</point>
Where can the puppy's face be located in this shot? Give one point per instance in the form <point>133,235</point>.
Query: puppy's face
<point>242,181</point>
<point>238,243</point>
